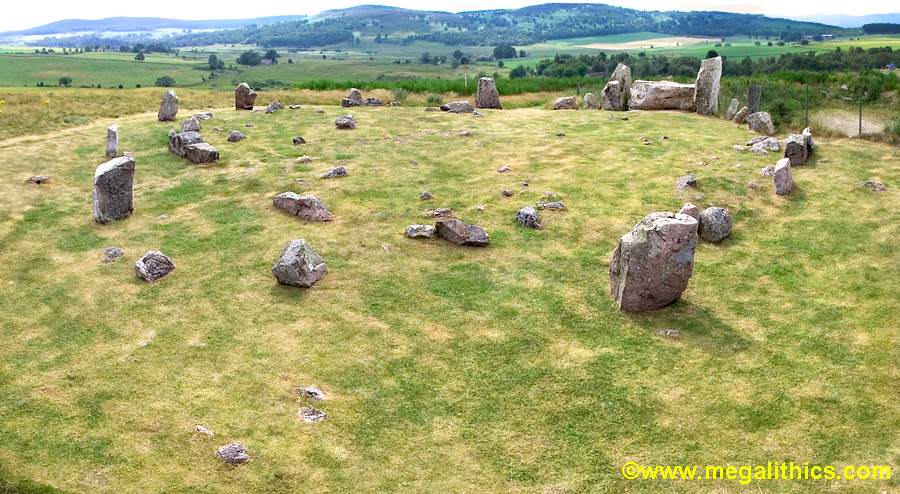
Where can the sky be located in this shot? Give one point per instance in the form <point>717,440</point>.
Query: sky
<point>21,15</point>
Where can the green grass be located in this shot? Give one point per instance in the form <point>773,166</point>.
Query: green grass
<point>448,369</point>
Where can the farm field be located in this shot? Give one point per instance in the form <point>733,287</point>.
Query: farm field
<point>447,369</point>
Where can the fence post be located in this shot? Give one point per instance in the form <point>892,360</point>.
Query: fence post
<point>806,118</point>
<point>860,111</point>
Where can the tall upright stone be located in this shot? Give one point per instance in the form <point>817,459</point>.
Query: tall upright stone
<point>784,182</point>
<point>652,264</point>
<point>617,91</point>
<point>113,197</point>
<point>755,96</point>
<point>354,98</point>
<point>706,88</point>
<point>112,141</point>
<point>244,97</point>
<point>487,95</point>
<point>732,109</point>
<point>168,108</point>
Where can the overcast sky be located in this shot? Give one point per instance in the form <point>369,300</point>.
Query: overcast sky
<point>23,15</point>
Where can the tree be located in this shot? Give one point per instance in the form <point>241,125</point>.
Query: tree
<point>249,58</point>
<point>458,55</point>
<point>425,58</point>
<point>504,51</point>
<point>139,57</point>
<point>272,55</point>
<point>712,54</point>
<point>165,81</point>
<point>500,63</point>
<point>215,63</point>
<point>65,81</point>
<point>522,54</point>
<point>518,72</point>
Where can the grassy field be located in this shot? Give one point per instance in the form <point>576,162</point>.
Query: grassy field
<point>448,369</point>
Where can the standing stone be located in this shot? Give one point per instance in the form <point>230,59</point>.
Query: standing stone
<point>566,103</point>
<point>112,141</point>
<point>761,123</point>
<point>784,183</point>
<point>706,91</point>
<point>732,109</point>
<point>354,98</point>
<point>305,207</point>
<point>810,145</point>
<point>487,95</point>
<point>299,265</point>
<point>168,109</point>
<point>652,264</point>
<point>755,96</point>
<point>617,91</point>
<point>529,217</point>
<point>795,149</point>
<point>191,125</point>
<point>244,97</point>
<point>460,233</point>
<point>154,265</point>
<point>113,198</point>
<point>715,224</point>
<point>661,95</point>
<point>741,116</point>
<point>589,102</point>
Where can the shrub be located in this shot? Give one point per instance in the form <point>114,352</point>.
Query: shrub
<point>164,81</point>
<point>434,100</point>
<point>399,94</point>
<point>65,81</point>
<point>249,58</point>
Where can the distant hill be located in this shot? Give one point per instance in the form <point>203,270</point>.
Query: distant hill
<point>853,20</point>
<point>123,24</point>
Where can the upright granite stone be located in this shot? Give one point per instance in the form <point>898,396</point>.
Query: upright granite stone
<point>113,197</point>
<point>741,116</point>
<point>354,98</point>
<point>244,97</point>
<point>706,88</point>
<point>652,264</point>
<point>566,103</point>
<point>487,95</point>
<point>796,149</point>
<point>154,265</point>
<point>112,141</point>
<point>715,224</point>
<point>305,207</point>
<point>810,145</point>
<point>761,122</point>
<point>460,233</point>
<point>299,265</point>
<point>589,102</point>
<point>661,95</point>
<point>733,108</point>
<point>617,91</point>
<point>168,108</point>
<point>784,182</point>
<point>754,96</point>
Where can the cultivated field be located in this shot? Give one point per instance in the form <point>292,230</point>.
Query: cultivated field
<point>448,369</point>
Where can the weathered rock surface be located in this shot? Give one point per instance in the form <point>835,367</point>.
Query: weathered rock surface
<point>112,141</point>
<point>706,92</point>
<point>617,91</point>
<point>235,136</point>
<point>690,210</point>
<point>755,96</point>
<point>784,182</point>
<point>874,185</point>
<point>153,265</point>
<point>426,196</point>
<point>310,414</point>
<point>715,224</point>
<point>374,102</point>
<point>528,217</point>
<point>299,265</point>
<point>206,115</point>
<point>336,172</point>
<point>274,106</point>
<point>38,179</point>
<point>305,207</point>
<point>179,142</point>
<point>298,140</point>
<point>590,102</point>
<point>457,107</point>
<point>244,97</point>
<point>419,231</point>
<point>565,103</point>
<point>741,116</point>
<point>233,454</point>
<point>354,98</point>
<point>113,197</point>
<point>487,95</point>
<point>761,123</point>
<point>733,108</point>
<point>311,392</point>
<point>797,148</point>
<point>661,95</point>
<point>763,145</point>
<point>112,254</point>
<point>345,122</point>
<point>689,180</point>
<point>202,152</point>
<point>461,233</point>
<point>652,264</point>
<point>168,108</point>
<point>191,125</point>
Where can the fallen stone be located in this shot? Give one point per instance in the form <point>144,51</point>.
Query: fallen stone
<point>235,136</point>
<point>761,123</point>
<point>305,207</point>
<point>112,141</point>
<point>374,102</point>
<point>244,97</point>
<point>201,153</point>
<point>419,231</point>
<point>504,169</point>
<point>784,183</point>
<point>153,266</point>
<point>768,171</point>
<point>715,224</point>
<point>439,213</point>
<point>310,414</point>
<point>706,88</point>
<point>299,265</point>
<point>528,217</point>
<point>652,264</point>
<point>168,108</point>
<point>179,142</point>
<point>311,392</point>
<point>345,122</point>
<point>552,205</point>
<point>566,103</point>
<point>460,233</point>
<point>203,115</point>
<point>294,107</point>
<point>690,210</point>
<point>305,159</point>
<point>661,95</point>
<point>113,197</point>
<point>733,108</point>
<point>457,107</point>
<point>112,254</point>
<point>689,180</point>
<point>336,172</point>
<point>669,333</point>
<point>233,454</point>
<point>763,145</point>
<point>465,133</point>
<point>506,193</point>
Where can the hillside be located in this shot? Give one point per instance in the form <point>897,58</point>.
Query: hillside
<point>119,24</point>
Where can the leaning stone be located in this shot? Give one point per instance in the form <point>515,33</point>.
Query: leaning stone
<point>457,232</point>
<point>305,207</point>
<point>113,197</point>
<point>732,109</point>
<point>741,116</point>
<point>652,264</point>
<point>690,210</point>
<point>310,414</point>
<point>336,172</point>
<point>487,95</point>
<point>299,265</point>
<point>233,454</point>
<point>528,217</point>
<point>311,392</point>
<point>706,92</point>
<point>191,125</point>
<point>235,136</point>
<point>689,180</point>
<point>661,95</point>
<point>761,123</point>
<point>154,265</point>
<point>38,179</point>
<point>566,103</point>
<point>419,231</point>
<point>112,254</point>
<point>617,91</point>
<point>457,107</point>
<point>589,102</point>
<point>345,122</point>
<point>784,183</point>
<point>201,153</point>
<point>112,141</point>
<point>179,142</point>
<point>715,224</point>
<point>244,97</point>
<point>168,108</point>
<point>795,149</point>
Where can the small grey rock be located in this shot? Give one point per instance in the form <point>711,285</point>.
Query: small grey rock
<point>233,454</point>
<point>235,136</point>
<point>689,180</point>
<point>299,265</point>
<point>112,254</point>
<point>310,414</point>
<point>38,179</point>
<point>153,266</point>
<point>311,392</point>
<point>528,217</point>
<point>715,224</point>
<point>336,172</point>
<point>345,122</point>
<point>425,196</point>
<point>297,140</point>
<point>874,186</point>
<point>419,231</point>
